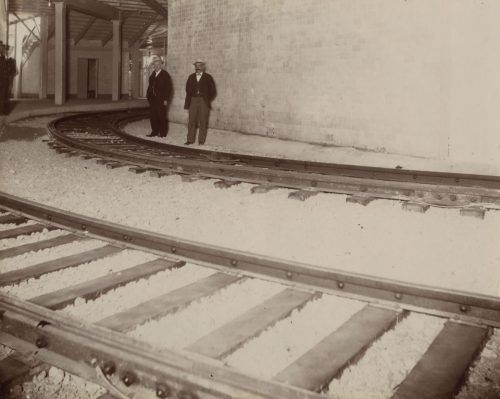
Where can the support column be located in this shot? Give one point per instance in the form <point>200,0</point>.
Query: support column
<point>60,64</point>
<point>18,56</point>
<point>136,70</point>
<point>44,56</point>
<point>4,22</point>
<point>116,70</point>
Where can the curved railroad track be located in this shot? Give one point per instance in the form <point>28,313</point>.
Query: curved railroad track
<point>101,135</point>
<point>102,351</point>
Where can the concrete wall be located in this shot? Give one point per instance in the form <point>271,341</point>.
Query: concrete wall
<point>399,76</point>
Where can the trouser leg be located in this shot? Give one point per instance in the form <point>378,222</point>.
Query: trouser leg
<point>162,120</point>
<point>194,110</point>
<point>3,96</point>
<point>153,117</point>
<point>203,117</point>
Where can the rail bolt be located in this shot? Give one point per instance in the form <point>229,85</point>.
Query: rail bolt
<point>341,285</point>
<point>464,308</point>
<point>109,367</point>
<point>41,342</point>
<point>234,262</point>
<point>129,378</point>
<point>84,228</point>
<point>173,250</point>
<point>163,391</point>
<point>398,295</point>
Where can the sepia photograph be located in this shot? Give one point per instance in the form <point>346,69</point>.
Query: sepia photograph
<point>250,199</point>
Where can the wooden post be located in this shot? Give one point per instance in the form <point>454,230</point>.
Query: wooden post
<point>18,55</point>
<point>4,21</point>
<point>44,56</point>
<point>136,70</point>
<point>60,53</point>
<point>116,70</point>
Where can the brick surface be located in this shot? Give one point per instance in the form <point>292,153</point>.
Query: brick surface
<point>348,72</point>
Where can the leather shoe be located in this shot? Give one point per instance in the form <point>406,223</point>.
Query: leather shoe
<point>151,135</point>
<point>187,143</point>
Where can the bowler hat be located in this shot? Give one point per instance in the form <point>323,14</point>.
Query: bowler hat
<point>198,61</point>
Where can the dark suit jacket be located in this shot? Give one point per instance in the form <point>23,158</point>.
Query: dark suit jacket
<point>207,89</point>
<point>160,87</point>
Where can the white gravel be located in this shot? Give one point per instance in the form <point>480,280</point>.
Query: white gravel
<point>75,275</point>
<point>56,384</point>
<point>387,362</point>
<point>5,352</point>
<point>135,293</point>
<point>484,377</point>
<point>30,238</point>
<point>436,248</point>
<point>281,344</point>
<point>48,254</point>
<point>201,317</point>
<point>9,226</point>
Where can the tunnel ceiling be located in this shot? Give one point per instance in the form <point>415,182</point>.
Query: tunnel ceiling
<point>144,21</point>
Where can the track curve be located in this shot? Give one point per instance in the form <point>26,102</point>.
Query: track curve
<point>102,135</point>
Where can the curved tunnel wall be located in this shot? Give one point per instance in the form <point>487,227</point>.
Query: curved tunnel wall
<point>392,76</point>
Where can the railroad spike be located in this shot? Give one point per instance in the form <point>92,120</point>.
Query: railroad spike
<point>41,342</point>
<point>129,378</point>
<point>109,367</point>
<point>163,391</point>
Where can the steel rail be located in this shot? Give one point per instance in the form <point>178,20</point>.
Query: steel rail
<point>357,171</point>
<point>482,309</point>
<point>424,193</point>
<point>91,350</point>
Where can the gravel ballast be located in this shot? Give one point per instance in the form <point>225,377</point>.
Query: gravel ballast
<point>435,248</point>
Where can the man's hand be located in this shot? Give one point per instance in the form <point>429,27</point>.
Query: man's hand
<point>165,102</point>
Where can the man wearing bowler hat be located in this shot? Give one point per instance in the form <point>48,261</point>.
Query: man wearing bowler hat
<point>200,91</point>
<point>158,94</point>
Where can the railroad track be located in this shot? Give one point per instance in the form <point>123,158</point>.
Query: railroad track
<point>106,349</point>
<point>101,135</point>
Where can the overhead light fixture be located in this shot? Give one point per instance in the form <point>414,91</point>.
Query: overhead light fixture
<point>49,3</point>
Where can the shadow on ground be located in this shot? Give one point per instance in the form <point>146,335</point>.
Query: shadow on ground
<point>21,133</point>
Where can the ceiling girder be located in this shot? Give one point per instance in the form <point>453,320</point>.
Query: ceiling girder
<point>94,8</point>
<point>85,29</point>
<point>154,5</point>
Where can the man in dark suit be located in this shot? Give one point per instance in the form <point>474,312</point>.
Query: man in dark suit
<point>4,81</point>
<point>200,91</point>
<point>158,94</point>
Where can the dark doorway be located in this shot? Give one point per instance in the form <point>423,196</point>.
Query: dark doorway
<point>88,69</point>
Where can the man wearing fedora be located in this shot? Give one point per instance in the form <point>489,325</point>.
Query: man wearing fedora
<point>200,91</point>
<point>158,94</point>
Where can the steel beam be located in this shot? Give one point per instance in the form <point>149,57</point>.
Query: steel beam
<point>94,8</point>
<point>60,53</point>
<point>84,30</point>
<point>155,6</point>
